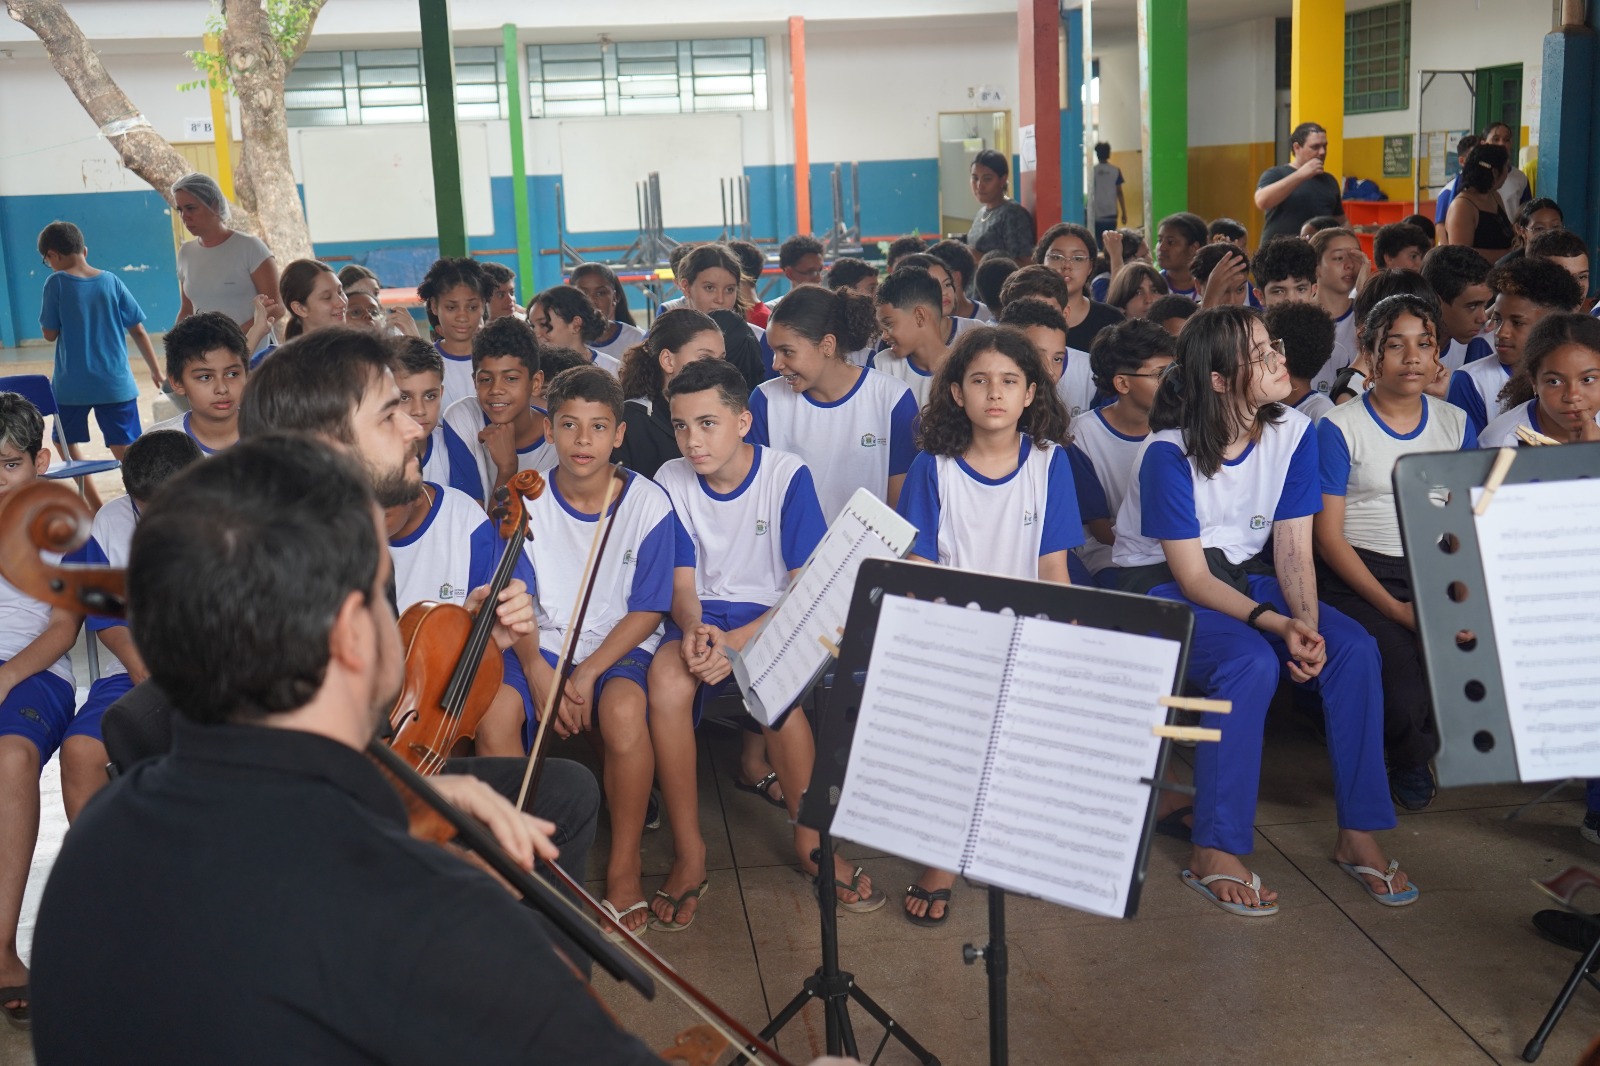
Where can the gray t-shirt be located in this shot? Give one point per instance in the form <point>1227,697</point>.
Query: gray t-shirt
<point>1007,227</point>
<point>1107,180</point>
<point>218,279</point>
<point>1319,196</point>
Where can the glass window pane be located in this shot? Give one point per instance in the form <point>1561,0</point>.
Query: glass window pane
<point>389,57</point>
<point>477,94</point>
<point>393,114</point>
<point>323,117</point>
<point>648,87</point>
<point>390,96</point>
<point>636,67</point>
<point>561,52</point>
<point>718,86</point>
<point>313,98</point>
<point>722,64</point>
<point>390,76</point>
<point>728,47</point>
<point>314,78</point>
<point>572,71</point>
<point>647,49</point>
<point>477,54</point>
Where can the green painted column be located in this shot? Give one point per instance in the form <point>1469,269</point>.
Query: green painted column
<point>439,77</point>
<point>515,87</point>
<point>1164,107</point>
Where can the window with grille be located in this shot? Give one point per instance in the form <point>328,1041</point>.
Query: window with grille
<point>386,85</point>
<point>647,77</point>
<point>1377,58</point>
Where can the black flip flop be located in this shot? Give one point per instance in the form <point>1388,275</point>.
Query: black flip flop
<point>762,788</point>
<point>19,1017</point>
<point>1172,825</point>
<point>938,895</point>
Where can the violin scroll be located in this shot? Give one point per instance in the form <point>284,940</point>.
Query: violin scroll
<point>507,511</point>
<point>48,516</point>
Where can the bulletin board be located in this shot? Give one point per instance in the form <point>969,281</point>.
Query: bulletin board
<point>369,183</point>
<point>603,158</point>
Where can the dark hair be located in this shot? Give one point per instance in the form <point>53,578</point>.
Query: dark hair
<point>1322,222</point>
<point>1123,349</point>
<point>1425,224</point>
<point>751,259</point>
<point>1545,283</point>
<point>815,313</point>
<point>1395,238</point>
<point>198,334</point>
<point>448,273</point>
<point>846,272</point>
<point>1532,207</point>
<point>1215,341</point>
<point>1232,229</point>
<point>797,248</point>
<point>1032,311</point>
<point>1102,151</point>
<point>1059,230</point>
<point>1285,258</point>
<point>21,424</point>
<point>285,525</point>
<point>641,365</point>
<point>295,285</point>
<point>1302,133</point>
<point>1189,225</point>
<point>1467,143</point>
<point>945,429</point>
<point>561,358</point>
<point>313,384</point>
<point>153,458</point>
<point>1386,312</point>
<point>707,257</point>
<point>587,384</point>
<point>413,355</point>
<point>1491,127</point>
<point>901,247</point>
<point>1171,307</point>
<point>990,276</point>
<point>1450,268</point>
<point>619,295</point>
<point>567,302</point>
<point>498,273</point>
<point>740,347</point>
<point>908,287</point>
<point>1384,284</point>
<point>1561,243</point>
<point>990,159</point>
<point>920,259</point>
<point>1307,333</point>
<point>1033,280</point>
<point>957,259</point>
<point>702,375</point>
<point>1550,334</point>
<point>678,254</point>
<point>1483,162</point>
<point>351,273</point>
<point>1129,280</point>
<point>1210,257</point>
<point>507,336</point>
<point>63,238</point>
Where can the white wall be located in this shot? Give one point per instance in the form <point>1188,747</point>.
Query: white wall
<point>1119,92</point>
<point>1232,83</point>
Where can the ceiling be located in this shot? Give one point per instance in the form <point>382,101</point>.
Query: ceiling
<point>1116,18</point>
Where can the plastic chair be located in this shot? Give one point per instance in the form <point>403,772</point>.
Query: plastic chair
<point>36,389</point>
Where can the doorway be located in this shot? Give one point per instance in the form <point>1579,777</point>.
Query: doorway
<point>962,135</point>
<point>1500,100</point>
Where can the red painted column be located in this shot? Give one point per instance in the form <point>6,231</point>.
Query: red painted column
<point>802,137</point>
<point>1037,184</point>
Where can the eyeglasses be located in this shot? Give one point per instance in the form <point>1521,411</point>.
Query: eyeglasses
<point>1056,258</point>
<point>1143,374</point>
<point>1275,356</point>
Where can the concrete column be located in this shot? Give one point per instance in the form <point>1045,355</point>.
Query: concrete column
<point>1569,153</point>
<point>1038,186</point>
<point>439,72</point>
<point>1164,106</point>
<point>1316,75</point>
<point>1074,122</point>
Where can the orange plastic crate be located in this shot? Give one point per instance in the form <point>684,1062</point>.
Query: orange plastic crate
<point>1377,212</point>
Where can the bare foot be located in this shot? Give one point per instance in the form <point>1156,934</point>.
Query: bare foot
<point>685,876</point>
<point>754,768</point>
<point>932,880</point>
<point>1361,849</point>
<point>1203,862</point>
<point>623,893</point>
<point>13,973</point>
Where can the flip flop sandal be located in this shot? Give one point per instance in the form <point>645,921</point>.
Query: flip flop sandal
<point>619,916</point>
<point>671,924</point>
<point>762,788</point>
<point>938,895</point>
<point>19,1017</point>
<point>863,904</point>
<point>1390,898</point>
<point>1172,825</point>
<point>1202,886</point>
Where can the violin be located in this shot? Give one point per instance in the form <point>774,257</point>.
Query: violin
<point>453,668</point>
<point>46,516</point>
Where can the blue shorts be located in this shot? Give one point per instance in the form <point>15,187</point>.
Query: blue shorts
<point>119,422</point>
<point>634,666</point>
<point>39,710</point>
<point>725,615</point>
<point>102,694</point>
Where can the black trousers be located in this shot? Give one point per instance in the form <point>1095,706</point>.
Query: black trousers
<point>1410,737</point>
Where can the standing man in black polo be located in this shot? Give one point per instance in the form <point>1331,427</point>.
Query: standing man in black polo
<point>1301,190</point>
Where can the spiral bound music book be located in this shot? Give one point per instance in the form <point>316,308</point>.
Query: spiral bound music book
<point>787,654</point>
<point>1009,749</point>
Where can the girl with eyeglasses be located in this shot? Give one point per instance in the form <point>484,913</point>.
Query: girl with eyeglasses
<point>1225,468</point>
<point>1068,250</point>
<point>1362,569</point>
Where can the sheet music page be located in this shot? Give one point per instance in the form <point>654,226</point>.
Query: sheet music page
<point>1065,811</point>
<point>1540,544</point>
<point>927,713</point>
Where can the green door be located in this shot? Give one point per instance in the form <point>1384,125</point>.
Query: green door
<point>1500,99</point>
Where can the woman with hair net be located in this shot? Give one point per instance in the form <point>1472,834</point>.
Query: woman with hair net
<point>222,269</point>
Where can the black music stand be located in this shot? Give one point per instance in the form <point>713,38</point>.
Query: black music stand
<point>836,728</point>
<point>1433,497</point>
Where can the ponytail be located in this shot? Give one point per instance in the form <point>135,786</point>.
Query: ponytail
<point>567,302</point>
<point>815,313</point>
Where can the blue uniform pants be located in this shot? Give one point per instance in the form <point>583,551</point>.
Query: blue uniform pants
<point>1231,661</point>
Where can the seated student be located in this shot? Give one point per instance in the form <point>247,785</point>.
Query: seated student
<point>1221,275</point>
<point>1119,249</point>
<point>419,374</point>
<point>851,425</point>
<point>563,317</point>
<point>1350,382</point>
<point>1034,280</point>
<point>1426,225</point>
<point>709,277</point>
<point>1307,335</point>
<point>726,580</point>
<point>149,462</point>
<point>1460,279</point>
<point>599,283</point>
<point>1566,248</point>
<point>675,259</point>
<point>1135,288</point>
<point>1363,570</point>
<point>1171,312</point>
<point>958,260</point>
<point>991,275</point>
<point>631,595</point>
<point>752,265</point>
<point>1399,246</point>
<point>1178,238</point>
<point>1225,468</point>
<point>36,700</point>
<point>901,247</point>
<point>312,296</point>
<point>676,339</point>
<point>952,324</point>
<point>912,328</point>
<point>1526,290</point>
<point>1285,269</point>
<point>1228,231</point>
<point>994,446</point>
<point>1314,226</point>
<point>490,436</point>
<point>1068,249</point>
<point>553,361</point>
<point>1478,217</point>
<point>454,292</point>
<point>854,274</point>
<point>800,258</point>
<point>1046,329</point>
<point>206,364</point>
<point>1533,218</point>
<point>1555,390</point>
<point>503,297</point>
<point>1341,270</point>
<point>1128,361</point>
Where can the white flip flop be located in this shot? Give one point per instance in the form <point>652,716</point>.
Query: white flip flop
<point>1202,886</point>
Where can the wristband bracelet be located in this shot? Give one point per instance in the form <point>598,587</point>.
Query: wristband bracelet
<point>1255,615</point>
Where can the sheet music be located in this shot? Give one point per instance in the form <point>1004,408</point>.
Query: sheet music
<point>923,733</point>
<point>1064,813</point>
<point>1539,543</point>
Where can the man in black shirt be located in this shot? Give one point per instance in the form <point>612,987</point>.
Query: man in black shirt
<point>1302,190</point>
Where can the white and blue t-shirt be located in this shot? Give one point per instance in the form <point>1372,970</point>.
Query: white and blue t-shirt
<point>998,525</point>
<point>1192,293</point>
<point>436,461</point>
<point>958,326</point>
<point>902,369</point>
<point>860,440</point>
<point>453,551</point>
<point>1458,355</point>
<point>1274,479</point>
<point>981,313</point>
<point>634,572</point>
<point>1102,475</point>
<point>1357,451</point>
<point>1475,388</point>
<point>23,619</point>
<point>1344,352</point>
<point>605,361</point>
<point>459,381</point>
<point>471,469</point>
<point>1502,431</point>
<point>110,538</point>
<point>616,345</point>
<point>181,424</point>
<point>1075,387</point>
<point>1314,405</point>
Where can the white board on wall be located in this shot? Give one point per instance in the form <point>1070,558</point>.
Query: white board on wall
<point>603,158</point>
<point>369,183</point>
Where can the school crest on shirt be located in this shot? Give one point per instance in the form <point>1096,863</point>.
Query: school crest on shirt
<point>1029,518</point>
<point>761,527</point>
<point>448,591</point>
<point>1258,522</point>
<point>628,558</point>
<point>872,440</point>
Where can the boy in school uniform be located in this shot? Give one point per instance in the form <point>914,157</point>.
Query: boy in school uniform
<point>1046,329</point>
<point>1178,238</point>
<point>1399,246</point>
<point>1526,290</point>
<point>489,437</point>
<point>913,328</point>
<point>1221,275</point>
<point>150,461</point>
<point>1171,312</point>
<point>801,259</point>
<point>1306,333</point>
<point>1341,269</point>
<point>1285,269</point>
<point>419,372</point>
<point>958,260</point>
<point>1459,277</point>
<point>207,363</point>
<point>1035,279</point>
<point>36,702</point>
<point>632,594</point>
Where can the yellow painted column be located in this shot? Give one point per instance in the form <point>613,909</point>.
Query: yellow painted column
<point>1316,80</point>
<point>219,127</point>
